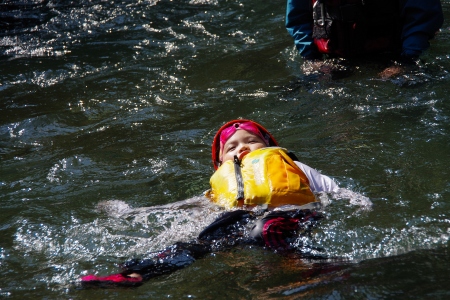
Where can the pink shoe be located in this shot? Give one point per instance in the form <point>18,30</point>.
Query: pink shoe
<point>113,280</point>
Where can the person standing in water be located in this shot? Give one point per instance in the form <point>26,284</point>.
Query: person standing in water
<point>352,28</point>
<point>270,197</point>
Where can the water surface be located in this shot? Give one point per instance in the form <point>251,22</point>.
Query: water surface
<point>120,100</point>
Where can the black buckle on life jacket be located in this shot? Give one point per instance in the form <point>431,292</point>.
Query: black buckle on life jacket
<point>239,179</point>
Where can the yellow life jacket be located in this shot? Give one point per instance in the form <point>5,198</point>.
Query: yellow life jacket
<point>267,176</point>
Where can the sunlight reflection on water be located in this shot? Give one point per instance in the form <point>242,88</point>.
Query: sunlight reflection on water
<point>120,100</point>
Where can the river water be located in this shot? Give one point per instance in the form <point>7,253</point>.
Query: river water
<point>108,110</point>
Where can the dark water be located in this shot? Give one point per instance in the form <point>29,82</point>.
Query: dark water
<point>119,100</point>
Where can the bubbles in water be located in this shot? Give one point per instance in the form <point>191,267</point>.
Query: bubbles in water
<point>122,234</point>
<point>355,198</point>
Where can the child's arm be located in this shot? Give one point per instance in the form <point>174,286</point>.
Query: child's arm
<point>321,183</point>
<point>318,182</point>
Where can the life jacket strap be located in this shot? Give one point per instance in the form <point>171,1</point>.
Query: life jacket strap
<point>239,179</point>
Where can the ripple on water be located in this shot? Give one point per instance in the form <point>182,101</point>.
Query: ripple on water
<point>121,234</point>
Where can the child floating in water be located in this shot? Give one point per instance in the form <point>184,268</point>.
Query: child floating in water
<point>270,194</point>
<point>272,176</point>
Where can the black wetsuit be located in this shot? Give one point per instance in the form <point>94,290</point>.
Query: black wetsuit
<point>276,230</point>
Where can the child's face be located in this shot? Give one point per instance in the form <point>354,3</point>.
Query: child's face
<point>239,143</point>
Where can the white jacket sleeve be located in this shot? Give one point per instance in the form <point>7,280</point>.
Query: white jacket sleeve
<point>318,182</point>
<point>321,183</point>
